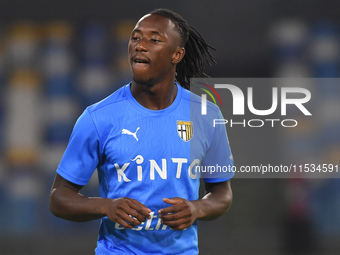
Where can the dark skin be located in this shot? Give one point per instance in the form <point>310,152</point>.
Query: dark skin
<point>154,50</point>
<point>154,42</point>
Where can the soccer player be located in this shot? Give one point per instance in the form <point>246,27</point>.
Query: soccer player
<point>146,141</point>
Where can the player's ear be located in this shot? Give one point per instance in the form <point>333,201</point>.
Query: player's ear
<point>178,55</point>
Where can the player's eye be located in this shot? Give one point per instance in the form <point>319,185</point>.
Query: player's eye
<point>135,39</point>
<point>155,40</point>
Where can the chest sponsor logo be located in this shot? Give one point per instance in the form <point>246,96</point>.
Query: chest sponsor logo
<point>153,169</point>
<point>185,130</point>
<point>128,132</point>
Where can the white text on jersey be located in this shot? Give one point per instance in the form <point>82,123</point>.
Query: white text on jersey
<point>153,167</point>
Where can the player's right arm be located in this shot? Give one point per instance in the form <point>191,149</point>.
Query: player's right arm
<point>66,202</point>
<point>76,167</point>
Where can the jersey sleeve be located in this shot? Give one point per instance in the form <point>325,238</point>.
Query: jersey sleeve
<point>218,160</point>
<point>82,154</point>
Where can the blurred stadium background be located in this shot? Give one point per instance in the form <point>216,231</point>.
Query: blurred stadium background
<point>58,57</point>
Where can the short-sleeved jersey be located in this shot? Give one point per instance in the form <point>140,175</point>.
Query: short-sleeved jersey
<point>146,155</point>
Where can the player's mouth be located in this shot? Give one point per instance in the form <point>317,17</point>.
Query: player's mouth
<point>140,61</point>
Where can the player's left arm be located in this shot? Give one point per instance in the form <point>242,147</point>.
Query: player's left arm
<point>183,213</point>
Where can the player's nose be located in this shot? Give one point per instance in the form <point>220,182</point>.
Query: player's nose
<point>141,45</point>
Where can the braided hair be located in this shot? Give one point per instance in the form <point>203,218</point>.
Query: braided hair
<point>196,49</point>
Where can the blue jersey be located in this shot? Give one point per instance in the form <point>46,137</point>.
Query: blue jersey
<point>146,155</point>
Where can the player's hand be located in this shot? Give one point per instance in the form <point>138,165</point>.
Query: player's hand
<point>127,212</point>
<point>180,215</point>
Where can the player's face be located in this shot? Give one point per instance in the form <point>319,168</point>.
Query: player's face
<point>154,50</point>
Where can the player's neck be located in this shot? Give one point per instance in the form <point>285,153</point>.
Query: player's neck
<point>156,97</point>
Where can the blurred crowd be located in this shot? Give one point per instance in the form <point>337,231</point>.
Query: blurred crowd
<point>49,73</point>
<point>308,55</point>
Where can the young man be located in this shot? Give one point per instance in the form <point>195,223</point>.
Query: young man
<point>146,140</point>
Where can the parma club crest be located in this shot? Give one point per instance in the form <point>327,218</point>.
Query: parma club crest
<point>185,130</point>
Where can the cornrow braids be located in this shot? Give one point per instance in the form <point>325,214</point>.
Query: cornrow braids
<point>197,51</point>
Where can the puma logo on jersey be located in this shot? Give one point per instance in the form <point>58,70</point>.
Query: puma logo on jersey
<point>127,132</point>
